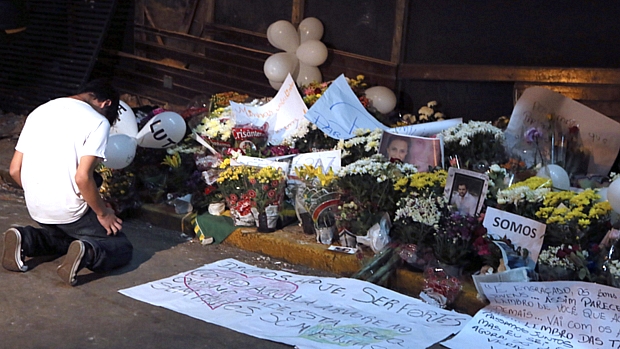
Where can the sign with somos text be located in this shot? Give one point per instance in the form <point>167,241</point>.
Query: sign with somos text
<point>523,232</point>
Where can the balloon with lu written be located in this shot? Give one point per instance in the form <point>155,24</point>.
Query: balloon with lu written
<point>162,131</point>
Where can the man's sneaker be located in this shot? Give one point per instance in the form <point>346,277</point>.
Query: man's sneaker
<point>12,254</point>
<point>71,264</point>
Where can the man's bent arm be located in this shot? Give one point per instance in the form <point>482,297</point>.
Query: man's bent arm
<point>88,188</point>
<point>15,168</point>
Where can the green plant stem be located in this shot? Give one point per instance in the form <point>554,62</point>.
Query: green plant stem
<point>385,270</point>
<point>376,261</point>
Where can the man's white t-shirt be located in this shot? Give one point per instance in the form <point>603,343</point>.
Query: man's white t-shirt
<point>54,138</point>
<point>465,204</point>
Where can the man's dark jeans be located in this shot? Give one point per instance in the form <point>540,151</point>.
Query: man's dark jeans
<point>54,239</point>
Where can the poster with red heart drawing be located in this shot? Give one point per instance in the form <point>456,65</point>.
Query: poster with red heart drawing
<point>304,311</point>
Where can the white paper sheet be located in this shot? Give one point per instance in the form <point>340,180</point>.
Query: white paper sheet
<point>305,311</point>
<point>544,315</point>
<point>598,132</point>
<point>283,113</point>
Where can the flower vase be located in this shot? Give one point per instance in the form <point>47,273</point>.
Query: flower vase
<point>306,223</point>
<point>266,221</point>
<point>262,225</point>
<point>347,239</point>
<point>325,235</point>
<point>240,220</point>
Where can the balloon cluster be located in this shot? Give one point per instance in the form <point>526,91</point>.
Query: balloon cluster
<point>161,131</point>
<point>303,52</point>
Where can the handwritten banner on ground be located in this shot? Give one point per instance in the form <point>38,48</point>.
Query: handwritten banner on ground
<point>305,311</point>
<point>598,133</point>
<point>338,113</point>
<point>549,315</point>
<point>284,113</point>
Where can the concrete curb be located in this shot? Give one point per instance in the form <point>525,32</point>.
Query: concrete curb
<point>293,246</point>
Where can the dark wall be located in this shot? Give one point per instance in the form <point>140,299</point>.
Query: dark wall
<point>227,45</point>
<point>521,33</point>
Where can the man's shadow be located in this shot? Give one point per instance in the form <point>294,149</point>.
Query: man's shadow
<point>146,241</point>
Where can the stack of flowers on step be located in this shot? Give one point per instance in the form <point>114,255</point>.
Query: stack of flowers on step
<point>419,209</point>
<point>265,187</point>
<point>316,193</point>
<point>232,182</point>
<point>366,189</point>
<point>247,188</point>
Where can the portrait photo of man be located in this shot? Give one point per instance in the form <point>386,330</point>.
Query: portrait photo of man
<point>466,190</point>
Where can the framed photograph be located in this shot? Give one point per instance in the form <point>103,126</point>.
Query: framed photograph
<point>423,152</point>
<point>466,190</point>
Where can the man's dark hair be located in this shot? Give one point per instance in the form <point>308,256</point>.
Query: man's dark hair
<point>102,89</point>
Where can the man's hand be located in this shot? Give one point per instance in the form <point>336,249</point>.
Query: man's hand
<point>110,222</point>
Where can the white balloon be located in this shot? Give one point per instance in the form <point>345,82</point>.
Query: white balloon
<point>276,84</point>
<point>603,193</point>
<point>279,65</point>
<point>120,151</point>
<point>310,29</point>
<point>559,177</point>
<point>382,98</point>
<point>126,122</point>
<point>162,131</point>
<point>282,34</point>
<point>312,52</point>
<point>613,195</point>
<point>308,74</point>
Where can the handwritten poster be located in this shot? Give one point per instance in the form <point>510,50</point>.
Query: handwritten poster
<point>329,159</point>
<point>523,232</point>
<point>304,311</point>
<point>284,113</point>
<point>544,315</point>
<point>338,113</point>
<point>598,133</point>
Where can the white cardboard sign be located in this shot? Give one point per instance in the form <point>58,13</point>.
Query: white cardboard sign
<point>544,315</point>
<point>523,232</point>
<point>283,113</point>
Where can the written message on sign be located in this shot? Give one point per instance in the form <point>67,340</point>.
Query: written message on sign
<point>597,132</point>
<point>305,311</point>
<point>284,114</point>
<point>544,315</point>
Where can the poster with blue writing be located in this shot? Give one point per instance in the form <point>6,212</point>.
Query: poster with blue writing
<point>563,131</point>
<point>544,315</point>
<point>305,311</point>
<point>338,113</point>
